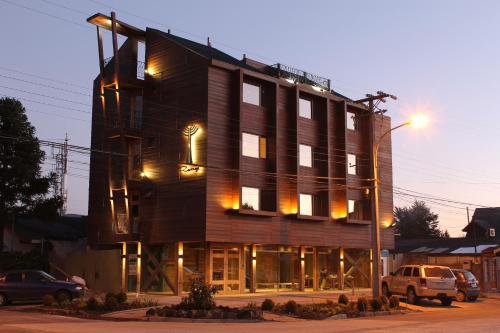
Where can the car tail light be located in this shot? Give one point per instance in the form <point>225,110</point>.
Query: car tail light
<point>423,282</point>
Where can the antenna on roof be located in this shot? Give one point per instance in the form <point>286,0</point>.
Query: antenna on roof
<point>244,56</point>
<point>208,42</point>
<point>168,31</point>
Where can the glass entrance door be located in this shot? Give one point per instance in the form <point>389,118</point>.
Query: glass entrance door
<point>225,265</point>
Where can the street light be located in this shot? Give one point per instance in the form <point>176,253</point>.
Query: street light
<point>416,121</point>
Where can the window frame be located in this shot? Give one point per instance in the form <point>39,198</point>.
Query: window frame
<point>311,197</point>
<point>310,101</point>
<point>353,116</point>
<point>352,167</point>
<point>242,201</point>
<point>309,165</point>
<point>244,100</point>
<point>261,145</point>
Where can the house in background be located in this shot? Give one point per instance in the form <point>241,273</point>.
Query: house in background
<point>478,251</point>
<point>253,176</point>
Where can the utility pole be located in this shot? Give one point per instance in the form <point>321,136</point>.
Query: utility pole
<point>373,101</point>
<point>473,234</point>
<point>61,158</point>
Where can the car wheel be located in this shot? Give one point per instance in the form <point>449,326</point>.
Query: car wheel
<point>461,296</point>
<point>446,301</point>
<point>411,296</point>
<point>3,300</point>
<point>385,290</point>
<point>472,298</point>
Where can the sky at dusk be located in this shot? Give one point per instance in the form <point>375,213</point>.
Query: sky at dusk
<point>438,57</point>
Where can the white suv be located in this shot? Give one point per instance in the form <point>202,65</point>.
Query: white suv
<point>422,281</point>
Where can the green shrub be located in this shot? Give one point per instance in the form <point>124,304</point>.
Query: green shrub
<point>92,304</point>
<point>376,304</point>
<point>362,304</point>
<point>121,297</point>
<point>200,297</point>
<point>291,307</point>
<point>394,302</point>
<point>110,303</point>
<point>48,300</point>
<point>343,299</point>
<point>62,298</point>
<point>267,305</point>
<point>383,300</point>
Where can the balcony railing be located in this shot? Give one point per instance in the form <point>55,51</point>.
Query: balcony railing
<point>298,75</point>
<point>139,72</point>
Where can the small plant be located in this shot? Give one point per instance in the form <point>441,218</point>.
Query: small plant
<point>121,297</point>
<point>291,307</point>
<point>246,205</point>
<point>376,304</point>
<point>394,302</point>
<point>62,298</point>
<point>383,300</point>
<point>343,299</point>
<point>48,300</point>
<point>362,304</point>
<point>110,302</point>
<point>92,304</point>
<point>267,305</point>
<point>200,297</point>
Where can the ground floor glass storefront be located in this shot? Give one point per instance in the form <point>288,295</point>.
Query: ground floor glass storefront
<point>238,268</point>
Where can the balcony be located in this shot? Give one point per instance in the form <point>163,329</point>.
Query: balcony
<point>126,70</point>
<point>300,76</point>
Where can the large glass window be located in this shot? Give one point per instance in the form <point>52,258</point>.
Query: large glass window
<point>251,93</point>
<point>305,155</point>
<point>305,108</point>
<point>250,198</point>
<point>351,164</point>
<point>254,145</point>
<point>305,204</point>
<point>351,121</point>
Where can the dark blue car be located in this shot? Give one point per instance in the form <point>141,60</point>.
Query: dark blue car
<point>32,285</point>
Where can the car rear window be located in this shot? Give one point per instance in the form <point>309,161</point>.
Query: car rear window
<point>13,277</point>
<point>438,272</point>
<point>469,276</point>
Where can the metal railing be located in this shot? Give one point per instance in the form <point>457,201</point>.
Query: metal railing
<point>139,70</point>
<point>301,76</point>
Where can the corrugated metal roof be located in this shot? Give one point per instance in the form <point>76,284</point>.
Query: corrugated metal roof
<point>440,250</point>
<point>470,249</point>
<point>422,249</point>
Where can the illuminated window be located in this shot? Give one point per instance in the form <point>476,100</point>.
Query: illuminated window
<point>250,198</point>
<point>305,108</point>
<point>305,204</point>
<point>351,164</point>
<point>251,94</point>
<point>305,155</point>
<point>351,206</point>
<point>351,121</point>
<point>254,146</point>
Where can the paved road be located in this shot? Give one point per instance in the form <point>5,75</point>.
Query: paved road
<point>483,316</point>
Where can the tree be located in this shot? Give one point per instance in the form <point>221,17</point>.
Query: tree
<point>23,189</point>
<point>417,221</point>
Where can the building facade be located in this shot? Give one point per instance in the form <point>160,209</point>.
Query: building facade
<point>251,176</point>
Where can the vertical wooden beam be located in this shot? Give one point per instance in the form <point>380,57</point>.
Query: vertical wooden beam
<point>208,264</point>
<point>302,274</point>
<point>124,266</point>
<point>341,269</point>
<point>139,267</point>
<point>297,148</point>
<point>179,276</point>
<point>330,154</point>
<point>242,269</point>
<point>253,268</point>
<point>371,267</point>
<point>315,269</point>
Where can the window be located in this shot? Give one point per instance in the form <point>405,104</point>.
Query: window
<point>416,272</point>
<point>351,206</point>
<point>254,146</point>
<point>305,204</point>
<point>136,111</point>
<point>251,94</point>
<point>444,273</point>
<point>305,108</point>
<point>33,277</point>
<point>351,121</point>
<point>134,160</point>
<point>13,278</point>
<point>407,271</point>
<point>305,155</point>
<point>351,164</point>
<point>250,198</point>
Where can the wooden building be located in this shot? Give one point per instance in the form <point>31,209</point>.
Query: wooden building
<point>252,176</point>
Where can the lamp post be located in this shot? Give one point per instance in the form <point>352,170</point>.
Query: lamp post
<point>416,121</point>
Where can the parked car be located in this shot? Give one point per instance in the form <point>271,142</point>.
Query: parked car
<point>467,285</point>
<point>32,285</point>
<point>422,281</point>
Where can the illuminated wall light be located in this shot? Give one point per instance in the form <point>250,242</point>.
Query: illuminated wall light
<point>290,81</point>
<point>318,89</point>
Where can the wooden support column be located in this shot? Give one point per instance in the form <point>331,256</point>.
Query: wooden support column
<point>139,267</point>
<point>242,269</point>
<point>371,267</point>
<point>315,269</point>
<point>179,276</point>
<point>124,267</point>
<point>208,265</point>
<point>253,269</point>
<point>341,269</point>
<point>302,274</point>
